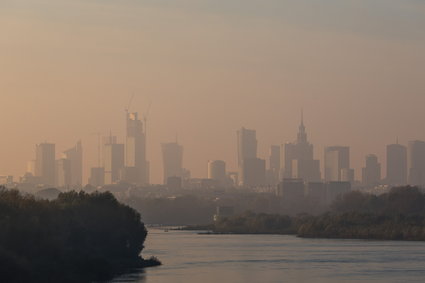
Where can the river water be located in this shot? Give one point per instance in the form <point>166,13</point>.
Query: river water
<point>189,257</point>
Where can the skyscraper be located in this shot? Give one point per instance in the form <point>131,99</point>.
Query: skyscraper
<point>75,157</point>
<point>274,158</point>
<point>248,162</point>
<point>417,163</point>
<point>97,176</point>
<point>113,160</point>
<point>172,156</point>
<point>337,158</point>
<point>396,165</point>
<point>273,172</point>
<point>45,163</point>
<point>135,151</point>
<point>247,145</point>
<point>217,171</point>
<point>371,173</point>
<point>298,158</point>
<point>254,172</point>
<point>63,172</point>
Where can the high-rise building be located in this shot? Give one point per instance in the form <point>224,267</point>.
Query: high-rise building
<point>75,157</point>
<point>371,173</point>
<point>172,156</point>
<point>97,176</point>
<point>63,172</point>
<point>273,171</point>
<point>247,145</point>
<point>308,170</point>
<point>113,160</point>
<point>135,151</point>
<point>254,172</point>
<point>347,175</point>
<point>247,150</point>
<point>45,163</point>
<point>396,165</point>
<point>274,158</point>
<point>291,189</point>
<point>417,163</point>
<point>217,171</point>
<point>299,160</point>
<point>337,158</point>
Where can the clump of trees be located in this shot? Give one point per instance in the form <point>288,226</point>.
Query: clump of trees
<point>397,215</point>
<point>77,237</point>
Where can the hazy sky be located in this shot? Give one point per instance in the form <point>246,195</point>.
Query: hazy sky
<point>68,68</point>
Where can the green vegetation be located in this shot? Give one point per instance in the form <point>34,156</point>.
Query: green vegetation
<point>397,215</point>
<point>77,237</point>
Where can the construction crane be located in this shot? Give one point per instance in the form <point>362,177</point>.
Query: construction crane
<point>127,109</point>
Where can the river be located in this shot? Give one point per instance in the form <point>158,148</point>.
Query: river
<point>189,257</point>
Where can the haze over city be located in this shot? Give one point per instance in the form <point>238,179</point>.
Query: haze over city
<point>208,68</point>
<point>212,141</point>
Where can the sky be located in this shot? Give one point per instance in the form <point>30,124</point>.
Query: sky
<point>209,67</point>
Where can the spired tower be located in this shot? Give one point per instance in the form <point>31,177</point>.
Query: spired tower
<point>137,167</point>
<point>298,158</point>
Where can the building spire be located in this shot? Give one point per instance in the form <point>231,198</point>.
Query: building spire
<point>302,116</point>
<point>302,135</point>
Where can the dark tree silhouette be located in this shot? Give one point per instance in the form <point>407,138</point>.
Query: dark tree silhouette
<point>77,237</point>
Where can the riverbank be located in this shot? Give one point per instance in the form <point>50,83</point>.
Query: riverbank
<point>398,215</point>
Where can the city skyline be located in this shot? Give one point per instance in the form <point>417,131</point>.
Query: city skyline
<point>285,140</point>
<point>247,145</point>
<point>360,83</point>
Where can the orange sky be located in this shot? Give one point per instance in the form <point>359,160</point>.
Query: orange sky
<point>68,69</point>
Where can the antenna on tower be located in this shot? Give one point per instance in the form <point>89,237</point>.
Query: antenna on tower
<point>302,116</point>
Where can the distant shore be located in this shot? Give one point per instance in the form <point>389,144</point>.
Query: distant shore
<point>397,215</point>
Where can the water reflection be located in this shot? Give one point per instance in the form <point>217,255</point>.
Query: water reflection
<point>188,257</point>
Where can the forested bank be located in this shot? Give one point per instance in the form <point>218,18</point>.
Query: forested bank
<point>77,237</point>
<point>397,215</point>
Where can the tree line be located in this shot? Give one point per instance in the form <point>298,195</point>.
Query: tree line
<point>396,215</point>
<point>78,237</point>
